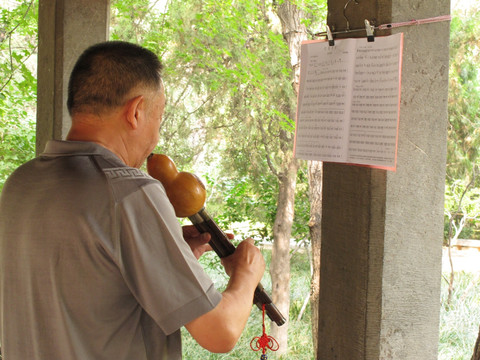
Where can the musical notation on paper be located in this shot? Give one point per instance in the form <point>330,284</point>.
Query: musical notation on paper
<point>348,103</point>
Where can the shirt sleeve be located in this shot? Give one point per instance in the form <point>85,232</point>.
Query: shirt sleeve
<point>157,264</point>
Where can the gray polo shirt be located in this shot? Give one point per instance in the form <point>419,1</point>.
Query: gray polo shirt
<point>93,264</point>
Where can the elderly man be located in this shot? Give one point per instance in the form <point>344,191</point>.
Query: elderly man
<point>93,262</point>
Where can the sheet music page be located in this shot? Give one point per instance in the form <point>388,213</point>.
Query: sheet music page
<point>326,78</point>
<point>375,102</point>
<point>348,103</point>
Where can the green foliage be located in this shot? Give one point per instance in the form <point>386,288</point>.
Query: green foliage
<point>463,163</point>
<point>462,210</point>
<point>18,47</point>
<point>241,203</point>
<point>222,52</point>
<point>302,208</point>
<point>459,321</point>
<point>464,96</point>
<point>315,14</point>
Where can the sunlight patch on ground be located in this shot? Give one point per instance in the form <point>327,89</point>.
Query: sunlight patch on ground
<point>467,259</point>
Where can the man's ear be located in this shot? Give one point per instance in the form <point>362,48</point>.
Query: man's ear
<point>134,108</point>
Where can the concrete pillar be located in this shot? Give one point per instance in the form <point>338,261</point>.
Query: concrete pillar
<point>65,29</point>
<point>382,231</point>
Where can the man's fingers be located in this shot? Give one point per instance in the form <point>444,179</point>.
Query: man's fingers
<point>205,237</point>
<point>207,247</point>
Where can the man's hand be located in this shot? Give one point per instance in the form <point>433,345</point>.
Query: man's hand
<point>197,242</point>
<point>247,259</point>
<point>219,329</point>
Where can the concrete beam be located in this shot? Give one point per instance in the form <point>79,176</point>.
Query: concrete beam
<point>65,29</point>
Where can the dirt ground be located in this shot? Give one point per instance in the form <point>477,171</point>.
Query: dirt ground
<point>467,259</point>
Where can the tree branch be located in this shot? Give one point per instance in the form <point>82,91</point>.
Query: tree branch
<point>267,150</point>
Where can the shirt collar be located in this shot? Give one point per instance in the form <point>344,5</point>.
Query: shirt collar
<point>69,148</point>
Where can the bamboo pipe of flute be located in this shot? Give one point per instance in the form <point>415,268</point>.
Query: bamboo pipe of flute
<point>187,194</point>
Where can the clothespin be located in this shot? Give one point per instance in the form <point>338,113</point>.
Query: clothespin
<point>369,29</point>
<point>331,42</point>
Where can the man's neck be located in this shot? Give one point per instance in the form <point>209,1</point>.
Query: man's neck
<point>99,131</point>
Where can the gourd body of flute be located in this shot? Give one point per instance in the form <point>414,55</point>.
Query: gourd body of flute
<point>184,190</point>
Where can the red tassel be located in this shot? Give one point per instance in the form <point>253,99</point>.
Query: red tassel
<point>263,342</point>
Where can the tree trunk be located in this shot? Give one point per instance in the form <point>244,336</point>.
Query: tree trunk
<point>315,171</point>
<point>294,32</point>
<point>280,264</point>
<point>476,350</point>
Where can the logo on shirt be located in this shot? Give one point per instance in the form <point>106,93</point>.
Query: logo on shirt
<point>125,173</point>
